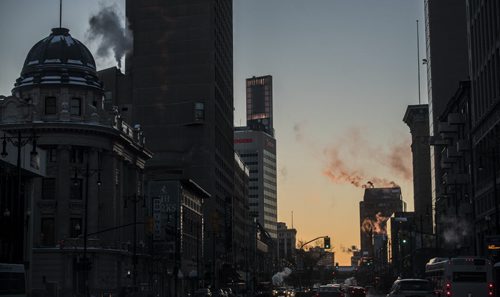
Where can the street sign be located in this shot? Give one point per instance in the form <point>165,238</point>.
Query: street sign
<point>493,242</point>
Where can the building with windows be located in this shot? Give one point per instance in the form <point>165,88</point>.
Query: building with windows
<point>181,80</point>
<point>483,26</point>
<point>241,223</point>
<point>84,239</point>
<point>447,65</point>
<point>177,235</point>
<point>286,242</point>
<point>377,206</point>
<point>260,103</point>
<point>257,149</point>
<point>14,247</point>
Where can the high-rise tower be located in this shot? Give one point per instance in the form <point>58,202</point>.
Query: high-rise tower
<point>260,104</point>
<point>181,72</point>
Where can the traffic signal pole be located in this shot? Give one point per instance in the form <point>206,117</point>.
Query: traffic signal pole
<point>326,238</point>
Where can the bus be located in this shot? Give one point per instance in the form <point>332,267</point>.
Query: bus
<point>461,277</point>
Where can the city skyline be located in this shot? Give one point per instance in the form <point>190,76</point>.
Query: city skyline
<point>326,68</point>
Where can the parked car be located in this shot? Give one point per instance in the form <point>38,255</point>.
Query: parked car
<point>354,291</point>
<point>330,291</point>
<point>411,287</point>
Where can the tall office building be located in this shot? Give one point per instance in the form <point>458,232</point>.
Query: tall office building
<point>286,243</point>
<point>377,206</point>
<point>181,73</point>
<point>260,104</point>
<point>484,52</point>
<point>256,145</point>
<point>447,65</point>
<point>417,119</point>
<point>257,149</point>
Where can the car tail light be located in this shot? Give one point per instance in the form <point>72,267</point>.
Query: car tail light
<point>491,289</point>
<point>448,290</point>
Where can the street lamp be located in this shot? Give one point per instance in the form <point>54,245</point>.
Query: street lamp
<point>19,142</point>
<point>87,172</point>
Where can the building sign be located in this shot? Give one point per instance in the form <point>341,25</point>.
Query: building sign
<point>165,199</point>
<point>493,243</point>
<point>243,140</point>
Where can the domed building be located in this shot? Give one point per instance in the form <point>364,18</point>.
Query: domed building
<point>92,193</point>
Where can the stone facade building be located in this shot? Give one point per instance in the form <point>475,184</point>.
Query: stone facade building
<point>90,202</point>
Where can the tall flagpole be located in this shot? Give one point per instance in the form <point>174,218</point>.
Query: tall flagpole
<point>418,64</point>
<point>60,13</point>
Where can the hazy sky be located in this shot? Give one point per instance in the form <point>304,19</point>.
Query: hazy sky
<point>344,72</point>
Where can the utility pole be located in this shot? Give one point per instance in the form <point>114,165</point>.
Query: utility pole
<point>87,172</point>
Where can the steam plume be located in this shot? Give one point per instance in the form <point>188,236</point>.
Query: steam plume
<point>455,230</point>
<point>342,168</point>
<point>279,277</point>
<point>114,37</point>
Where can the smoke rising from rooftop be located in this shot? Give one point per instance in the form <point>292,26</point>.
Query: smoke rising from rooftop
<point>114,37</point>
<point>346,159</point>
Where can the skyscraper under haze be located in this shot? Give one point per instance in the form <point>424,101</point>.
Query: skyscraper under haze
<point>181,71</point>
<point>377,206</point>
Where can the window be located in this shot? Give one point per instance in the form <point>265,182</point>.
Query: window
<point>76,107</point>
<point>76,189</point>
<point>76,227</point>
<point>50,105</point>
<point>199,112</point>
<point>76,155</point>
<point>48,188</point>
<point>47,235</point>
<point>52,154</point>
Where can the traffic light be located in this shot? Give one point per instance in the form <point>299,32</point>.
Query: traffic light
<point>403,241</point>
<point>150,225</point>
<point>327,245</point>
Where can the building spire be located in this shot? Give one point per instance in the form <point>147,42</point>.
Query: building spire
<point>60,13</point>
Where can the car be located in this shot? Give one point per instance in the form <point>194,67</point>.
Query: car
<point>202,293</point>
<point>280,292</point>
<point>411,287</point>
<point>330,291</point>
<point>354,291</point>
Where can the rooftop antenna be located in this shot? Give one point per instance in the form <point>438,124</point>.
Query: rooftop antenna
<point>418,64</point>
<point>292,219</point>
<point>60,13</point>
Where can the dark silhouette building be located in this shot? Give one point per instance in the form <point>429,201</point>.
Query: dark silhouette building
<point>417,118</point>
<point>377,206</point>
<point>484,68</point>
<point>447,65</point>
<point>181,72</point>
